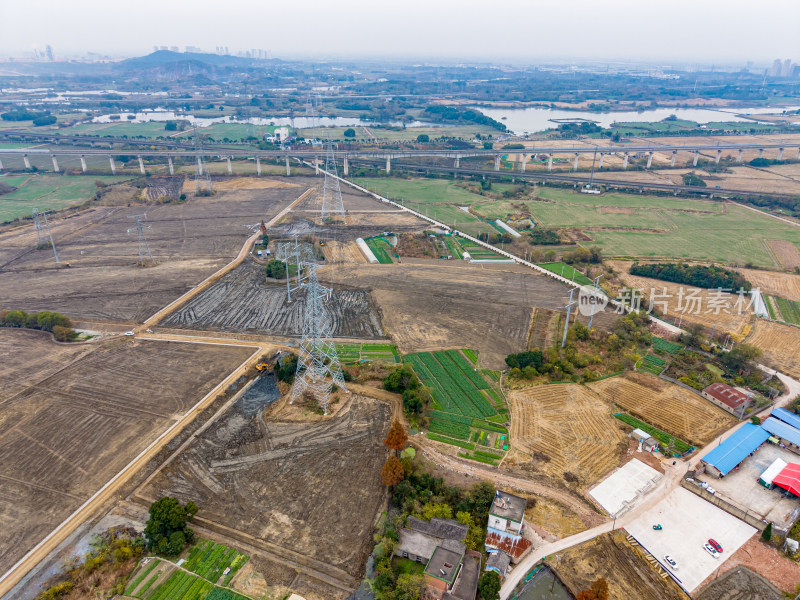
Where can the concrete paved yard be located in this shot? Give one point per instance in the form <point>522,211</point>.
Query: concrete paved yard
<point>623,487</point>
<point>742,488</point>
<point>688,522</point>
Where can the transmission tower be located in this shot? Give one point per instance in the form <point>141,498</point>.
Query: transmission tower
<point>37,223</point>
<point>40,231</point>
<point>318,368</point>
<point>200,169</point>
<point>144,248</point>
<point>293,253</point>
<point>332,204</point>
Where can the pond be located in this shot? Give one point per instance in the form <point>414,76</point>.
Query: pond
<point>544,585</point>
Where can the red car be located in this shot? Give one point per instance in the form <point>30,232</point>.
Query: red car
<point>715,545</point>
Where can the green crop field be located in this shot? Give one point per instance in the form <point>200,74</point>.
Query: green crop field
<point>381,249</point>
<point>46,192</point>
<point>565,270</point>
<point>789,309</point>
<point>662,345</point>
<point>666,439</point>
<point>652,364</point>
<point>353,353</point>
<point>209,560</point>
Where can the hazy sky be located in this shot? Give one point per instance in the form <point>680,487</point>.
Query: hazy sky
<point>687,31</point>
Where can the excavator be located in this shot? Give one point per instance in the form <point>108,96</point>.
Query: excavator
<point>262,368</point>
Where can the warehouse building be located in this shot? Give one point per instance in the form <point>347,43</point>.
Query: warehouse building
<point>726,397</point>
<point>787,436</point>
<point>732,451</point>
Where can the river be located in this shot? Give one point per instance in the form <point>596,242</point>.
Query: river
<point>531,120</point>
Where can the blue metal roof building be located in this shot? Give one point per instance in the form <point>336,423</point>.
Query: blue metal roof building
<point>786,416</point>
<point>782,430</point>
<point>736,448</point>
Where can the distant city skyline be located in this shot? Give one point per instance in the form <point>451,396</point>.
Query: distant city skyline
<point>687,32</point>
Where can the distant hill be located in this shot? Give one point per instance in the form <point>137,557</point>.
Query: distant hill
<point>160,58</point>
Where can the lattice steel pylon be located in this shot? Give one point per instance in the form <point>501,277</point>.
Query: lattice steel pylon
<point>144,248</point>
<point>37,223</point>
<point>318,368</point>
<point>332,204</point>
<point>40,231</point>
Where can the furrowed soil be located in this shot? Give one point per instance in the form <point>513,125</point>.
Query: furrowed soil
<point>189,242</point>
<point>780,344</point>
<point>787,253</point>
<point>565,428</point>
<point>299,488</point>
<point>434,304</point>
<point>610,556</point>
<point>665,405</point>
<point>241,301</point>
<point>739,584</point>
<point>71,417</point>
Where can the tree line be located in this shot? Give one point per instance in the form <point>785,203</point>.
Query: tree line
<point>45,320</point>
<point>451,114</point>
<point>709,277</point>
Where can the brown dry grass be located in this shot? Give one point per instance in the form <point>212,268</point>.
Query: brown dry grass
<point>786,252</point>
<point>785,285</point>
<point>553,517</point>
<point>679,302</point>
<point>780,345</point>
<point>665,405</point>
<point>252,183</point>
<point>571,426</point>
<point>342,252</point>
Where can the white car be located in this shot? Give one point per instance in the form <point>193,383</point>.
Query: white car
<point>129,333</point>
<point>710,549</point>
<point>671,563</point>
<point>711,490</point>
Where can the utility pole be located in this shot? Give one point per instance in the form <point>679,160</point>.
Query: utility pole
<point>566,324</point>
<point>596,284</point>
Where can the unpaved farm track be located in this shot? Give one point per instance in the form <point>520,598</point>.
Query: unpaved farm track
<point>241,301</point>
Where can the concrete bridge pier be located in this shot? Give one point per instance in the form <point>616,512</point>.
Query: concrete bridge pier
<point>575,163</point>
<point>719,155</point>
<point>524,162</point>
<point>625,161</point>
<point>230,168</point>
<point>549,162</point>
<point>672,162</point>
<point>457,163</point>
<point>171,165</point>
<point>649,159</point>
<point>199,166</point>
<point>141,165</point>
<point>696,158</point>
<point>1,165</point>
<point>27,161</point>
<point>83,163</point>
<point>739,157</point>
<point>497,163</point>
<point>388,164</point>
<point>600,164</point>
<point>780,153</point>
<point>55,163</point>
<point>110,162</point>
<point>288,168</point>
<point>760,153</point>
<point>346,167</point>
<point>258,165</point>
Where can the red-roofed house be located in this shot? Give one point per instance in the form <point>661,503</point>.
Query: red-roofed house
<point>725,397</point>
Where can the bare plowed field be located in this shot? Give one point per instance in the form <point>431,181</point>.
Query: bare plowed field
<point>695,305</point>
<point>189,241</point>
<point>67,427</point>
<point>787,253</point>
<point>303,491</point>
<point>780,345</point>
<point>665,405</point>
<point>785,285</point>
<point>242,301</point>
<point>430,304</point>
<point>336,252</point>
<point>571,426</point>
<point>609,556</point>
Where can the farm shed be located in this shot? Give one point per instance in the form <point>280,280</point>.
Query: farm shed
<point>784,431</point>
<point>789,479</point>
<point>744,441</point>
<point>508,228</point>
<point>725,397</point>
<point>769,474</point>
<point>786,416</point>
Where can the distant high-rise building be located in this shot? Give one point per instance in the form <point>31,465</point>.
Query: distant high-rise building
<point>786,71</point>
<point>776,68</point>
<point>193,49</point>
<point>174,48</point>
<point>49,52</point>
